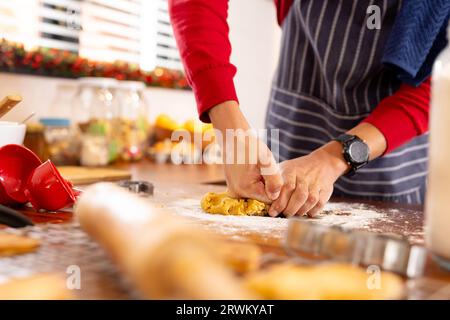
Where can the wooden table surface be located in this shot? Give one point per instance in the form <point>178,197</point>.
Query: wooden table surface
<point>180,187</point>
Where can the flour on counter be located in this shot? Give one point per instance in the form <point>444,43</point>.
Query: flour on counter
<point>345,215</point>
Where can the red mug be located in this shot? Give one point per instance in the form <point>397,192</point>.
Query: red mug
<point>47,189</point>
<point>16,165</point>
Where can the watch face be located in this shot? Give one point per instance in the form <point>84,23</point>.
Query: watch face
<point>359,151</point>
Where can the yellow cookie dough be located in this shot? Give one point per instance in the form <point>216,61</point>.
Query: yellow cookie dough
<point>241,257</point>
<point>11,244</point>
<point>222,203</point>
<point>37,287</point>
<point>323,282</point>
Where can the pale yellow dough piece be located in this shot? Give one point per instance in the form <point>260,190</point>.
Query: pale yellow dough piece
<point>38,287</point>
<point>222,203</point>
<point>323,282</point>
<point>240,257</point>
<point>11,244</point>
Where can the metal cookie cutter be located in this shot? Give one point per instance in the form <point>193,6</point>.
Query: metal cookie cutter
<point>139,187</point>
<point>389,252</point>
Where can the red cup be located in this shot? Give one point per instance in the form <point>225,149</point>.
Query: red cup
<point>16,165</point>
<point>47,189</point>
<point>5,199</point>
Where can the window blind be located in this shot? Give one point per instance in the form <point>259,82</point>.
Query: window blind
<point>166,51</point>
<point>59,24</point>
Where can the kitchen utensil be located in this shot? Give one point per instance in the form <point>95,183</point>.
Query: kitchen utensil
<point>389,252</point>
<point>8,103</point>
<point>47,189</point>
<point>16,165</point>
<point>31,115</point>
<point>138,187</point>
<point>13,218</point>
<point>437,219</point>
<point>163,256</point>
<point>11,133</point>
<point>83,175</point>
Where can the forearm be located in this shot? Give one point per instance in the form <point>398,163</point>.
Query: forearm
<point>396,120</point>
<point>227,115</point>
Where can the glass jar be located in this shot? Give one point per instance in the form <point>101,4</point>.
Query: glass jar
<point>35,140</point>
<point>61,136</point>
<point>134,124</point>
<point>437,201</point>
<point>96,113</point>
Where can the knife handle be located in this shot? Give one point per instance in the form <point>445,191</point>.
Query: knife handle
<point>8,103</point>
<point>13,218</point>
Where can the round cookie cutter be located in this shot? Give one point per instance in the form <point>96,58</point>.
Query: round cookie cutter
<point>388,251</point>
<point>143,188</point>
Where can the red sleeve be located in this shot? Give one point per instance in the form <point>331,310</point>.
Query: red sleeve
<point>403,115</point>
<point>283,7</point>
<point>201,31</point>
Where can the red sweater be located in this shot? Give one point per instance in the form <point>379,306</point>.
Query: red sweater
<point>201,31</point>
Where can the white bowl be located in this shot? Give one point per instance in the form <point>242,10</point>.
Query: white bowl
<point>12,133</point>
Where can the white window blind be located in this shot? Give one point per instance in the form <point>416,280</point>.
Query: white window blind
<point>59,24</point>
<point>135,31</point>
<point>167,54</point>
<point>9,28</point>
<point>17,24</point>
<point>111,30</point>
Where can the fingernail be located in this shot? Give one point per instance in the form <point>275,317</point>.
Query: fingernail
<point>273,213</point>
<point>274,195</point>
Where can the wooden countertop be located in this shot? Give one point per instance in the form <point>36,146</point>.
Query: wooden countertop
<point>166,173</point>
<point>181,187</point>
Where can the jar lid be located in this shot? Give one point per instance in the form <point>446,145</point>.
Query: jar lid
<point>131,85</point>
<point>98,82</point>
<point>35,127</point>
<point>55,122</point>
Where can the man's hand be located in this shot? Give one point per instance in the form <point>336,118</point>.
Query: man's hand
<point>250,169</point>
<point>308,181</point>
<point>258,178</point>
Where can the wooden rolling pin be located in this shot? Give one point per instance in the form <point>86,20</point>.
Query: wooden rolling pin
<point>8,103</point>
<point>162,255</point>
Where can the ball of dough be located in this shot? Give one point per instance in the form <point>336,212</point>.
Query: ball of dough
<point>222,203</point>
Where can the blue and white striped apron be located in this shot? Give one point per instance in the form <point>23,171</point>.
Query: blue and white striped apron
<point>329,78</point>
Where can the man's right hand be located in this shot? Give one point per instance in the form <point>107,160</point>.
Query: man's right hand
<point>250,168</point>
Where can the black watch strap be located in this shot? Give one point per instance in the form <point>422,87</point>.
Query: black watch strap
<point>347,140</point>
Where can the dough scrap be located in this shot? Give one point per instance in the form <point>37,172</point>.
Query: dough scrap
<point>37,287</point>
<point>222,203</point>
<point>11,244</point>
<point>323,282</point>
<point>240,257</point>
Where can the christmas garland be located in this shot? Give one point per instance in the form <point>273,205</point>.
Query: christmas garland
<point>59,63</point>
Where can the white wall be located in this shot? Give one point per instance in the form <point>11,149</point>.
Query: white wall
<point>255,39</point>
<point>255,36</point>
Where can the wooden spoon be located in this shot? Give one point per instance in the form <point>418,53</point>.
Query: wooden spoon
<point>8,103</point>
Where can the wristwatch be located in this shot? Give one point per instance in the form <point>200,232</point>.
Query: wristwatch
<point>355,152</point>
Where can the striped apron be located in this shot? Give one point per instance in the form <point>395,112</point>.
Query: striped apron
<point>329,78</point>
